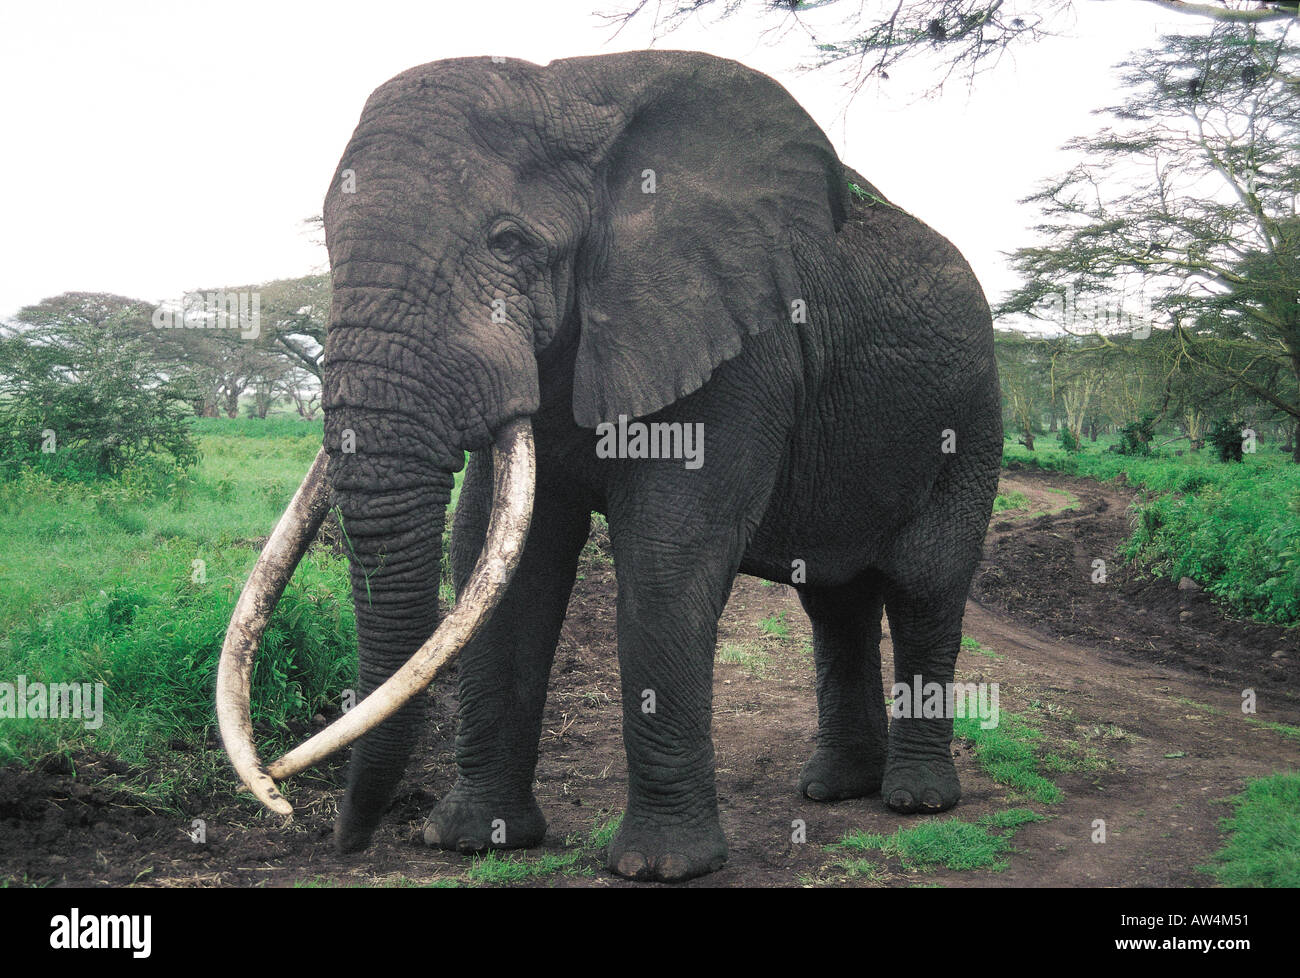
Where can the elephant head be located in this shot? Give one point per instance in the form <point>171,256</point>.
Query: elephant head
<point>643,211</point>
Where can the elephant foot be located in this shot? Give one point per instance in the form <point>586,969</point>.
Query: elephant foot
<point>642,850</point>
<point>924,786</point>
<point>833,773</point>
<point>352,831</point>
<point>464,823</point>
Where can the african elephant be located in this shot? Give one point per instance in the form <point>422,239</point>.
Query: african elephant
<point>538,260</point>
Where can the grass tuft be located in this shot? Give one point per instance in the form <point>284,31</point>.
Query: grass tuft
<point>1263,847</point>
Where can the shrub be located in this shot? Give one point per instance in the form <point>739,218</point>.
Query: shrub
<point>1225,436</point>
<point>1135,437</point>
<point>80,393</point>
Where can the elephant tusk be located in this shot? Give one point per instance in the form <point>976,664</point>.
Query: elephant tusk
<point>513,466</point>
<point>290,540</point>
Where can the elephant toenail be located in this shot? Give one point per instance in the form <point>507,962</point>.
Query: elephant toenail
<point>817,791</point>
<point>932,799</point>
<point>633,865</point>
<point>673,867</point>
<point>901,799</point>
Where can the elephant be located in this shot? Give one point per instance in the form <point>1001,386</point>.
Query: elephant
<point>642,285</point>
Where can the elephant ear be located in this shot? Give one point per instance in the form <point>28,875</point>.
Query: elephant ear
<point>708,176</point>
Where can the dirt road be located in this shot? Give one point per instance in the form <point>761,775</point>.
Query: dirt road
<point>1135,687</point>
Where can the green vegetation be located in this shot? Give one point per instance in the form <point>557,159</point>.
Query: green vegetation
<point>1012,500</point>
<point>497,868</point>
<point>1234,529</point>
<point>130,581</point>
<point>969,643</point>
<point>1009,754</point>
<point>776,626</point>
<point>82,396</point>
<point>1263,846</point>
<point>747,654</point>
<point>1071,500</point>
<point>951,843</point>
<point>1285,729</point>
<point>1135,437</point>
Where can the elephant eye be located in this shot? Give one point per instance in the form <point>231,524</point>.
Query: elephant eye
<point>508,242</point>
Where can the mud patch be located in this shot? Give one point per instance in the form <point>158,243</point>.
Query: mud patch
<point>1038,569</point>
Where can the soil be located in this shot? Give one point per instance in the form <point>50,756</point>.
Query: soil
<point>1139,681</point>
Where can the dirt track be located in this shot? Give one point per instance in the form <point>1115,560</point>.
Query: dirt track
<point>1143,679</point>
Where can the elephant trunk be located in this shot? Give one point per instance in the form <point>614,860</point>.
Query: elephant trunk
<point>395,584</point>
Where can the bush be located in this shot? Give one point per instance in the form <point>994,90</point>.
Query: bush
<point>80,394</point>
<point>1135,437</point>
<point>1225,435</point>
<point>1069,442</point>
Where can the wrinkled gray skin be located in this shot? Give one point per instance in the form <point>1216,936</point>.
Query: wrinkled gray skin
<point>477,181</point>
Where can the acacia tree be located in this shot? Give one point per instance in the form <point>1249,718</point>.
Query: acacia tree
<point>223,365</point>
<point>964,37</point>
<point>1023,368</point>
<point>78,382</point>
<point>305,390</point>
<point>1194,192</point>
<point>295,315</point>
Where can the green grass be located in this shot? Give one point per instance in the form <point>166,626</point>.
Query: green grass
<point>1075,758</point>
<point>601,833</point>
<point>1233,528</point>
<point>1008,753</point>
<point>756,662</point>
<point>776,626</point>
<point>973,644</point>
<point>1071,500</point>
<point>131,582</point>
<point>951,843</point>
<point>501,869</point>
<point>1263,848</point>
<point>496,869</point>
<point>398,882</point>
<point>1012,500</point>
<point>1284,729</point>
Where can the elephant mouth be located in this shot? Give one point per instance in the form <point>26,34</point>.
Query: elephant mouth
<point>512,506</point>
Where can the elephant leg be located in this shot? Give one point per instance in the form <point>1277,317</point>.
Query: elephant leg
<point>671,592</point>
<point>934,558</point>
<point>505,668</point>
<point>920,775</point>
<point>852,729</point>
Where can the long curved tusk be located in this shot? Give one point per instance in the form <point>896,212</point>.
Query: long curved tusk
<point>513,467</point>
<point>289,541</point>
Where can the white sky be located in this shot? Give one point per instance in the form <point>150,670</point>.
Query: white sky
<point>156,148</point>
